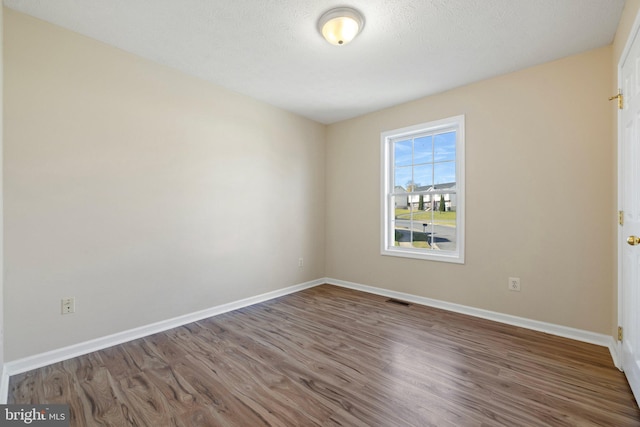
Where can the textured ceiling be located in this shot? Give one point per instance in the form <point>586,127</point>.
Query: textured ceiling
<point>272,51</point>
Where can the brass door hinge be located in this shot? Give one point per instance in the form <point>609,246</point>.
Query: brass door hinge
<point>619,97</point>
<point>621,217</point>
<point>619,333</point>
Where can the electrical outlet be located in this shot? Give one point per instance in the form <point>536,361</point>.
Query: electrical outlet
<point>300,262</point>
<point>68,305</point>
<point>514,284</point>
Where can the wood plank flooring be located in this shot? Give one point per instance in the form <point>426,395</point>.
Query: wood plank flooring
<point>329,356</point>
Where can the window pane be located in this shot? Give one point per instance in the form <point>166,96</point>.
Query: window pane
<point>422,230</point>
<point>445,146</point>
<point>442,234</point>
<point>401,207</point>
<point>444,173</point>
<point>423,150</point>
<point>403,177</point>
<point>423,176</point>
<point>423,237</point>
<point>398,235</point>
<point>402,220</point>
<point>402,153</point>
<point>428,201</point>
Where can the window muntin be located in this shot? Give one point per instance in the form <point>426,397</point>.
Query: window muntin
<point>423,191</point>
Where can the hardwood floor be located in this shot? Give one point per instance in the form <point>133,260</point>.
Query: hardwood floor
<point>335,357</point>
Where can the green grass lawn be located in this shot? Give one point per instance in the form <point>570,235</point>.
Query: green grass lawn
<point>421,245</point>
<point>442,218</point>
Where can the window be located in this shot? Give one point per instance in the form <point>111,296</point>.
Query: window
<point>423,191</point>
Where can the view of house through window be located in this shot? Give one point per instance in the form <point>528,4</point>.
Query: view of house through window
<point>423,205</point>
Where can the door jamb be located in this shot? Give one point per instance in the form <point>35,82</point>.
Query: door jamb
<point>633,34</point>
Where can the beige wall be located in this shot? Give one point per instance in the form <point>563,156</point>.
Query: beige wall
<point>539,163</point>
<point>144,193</point>
<point>629,14</point>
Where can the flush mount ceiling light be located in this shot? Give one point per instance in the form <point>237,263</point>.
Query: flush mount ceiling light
<point>340,25</point>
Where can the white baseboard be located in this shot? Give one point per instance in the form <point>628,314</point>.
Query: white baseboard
<point>39,360</point>
<point>4,385</point>
<point>616,351</point>
<point>550,328</point>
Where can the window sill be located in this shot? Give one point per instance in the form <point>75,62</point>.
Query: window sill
<point>452,257</point>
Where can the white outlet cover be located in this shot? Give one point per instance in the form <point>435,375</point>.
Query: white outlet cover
<point>68,305</point>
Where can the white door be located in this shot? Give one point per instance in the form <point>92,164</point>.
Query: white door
<point>629,201</point>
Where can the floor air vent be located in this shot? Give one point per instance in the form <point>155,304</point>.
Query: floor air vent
<point>399,302</point>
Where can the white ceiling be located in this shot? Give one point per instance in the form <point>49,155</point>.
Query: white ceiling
<point>272,51</point>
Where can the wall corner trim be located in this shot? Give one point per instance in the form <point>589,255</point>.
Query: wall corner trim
<point>616,351</point>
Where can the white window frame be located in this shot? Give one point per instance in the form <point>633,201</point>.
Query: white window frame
<point>388,209</point>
